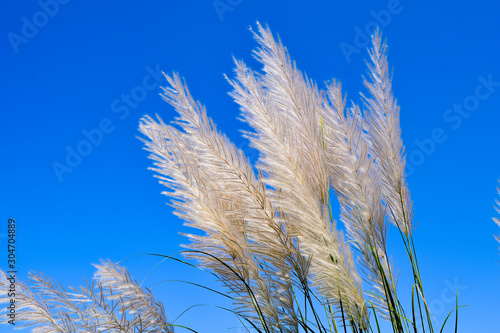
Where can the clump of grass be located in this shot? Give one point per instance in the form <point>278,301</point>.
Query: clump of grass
<point>268,230</point>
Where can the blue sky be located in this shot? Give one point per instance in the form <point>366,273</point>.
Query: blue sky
<point>76,76</point>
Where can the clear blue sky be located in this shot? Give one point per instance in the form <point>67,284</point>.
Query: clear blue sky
<point>70,69</point>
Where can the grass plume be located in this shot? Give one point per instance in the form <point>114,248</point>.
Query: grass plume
<point>111,302</point>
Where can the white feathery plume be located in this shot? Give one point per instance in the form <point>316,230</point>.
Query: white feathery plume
<point>112,302</point>
<point>235,201</point>
<point>384,136</point>
<point>283,108</point>
<point>353,177</point>
<point>139,302</point>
